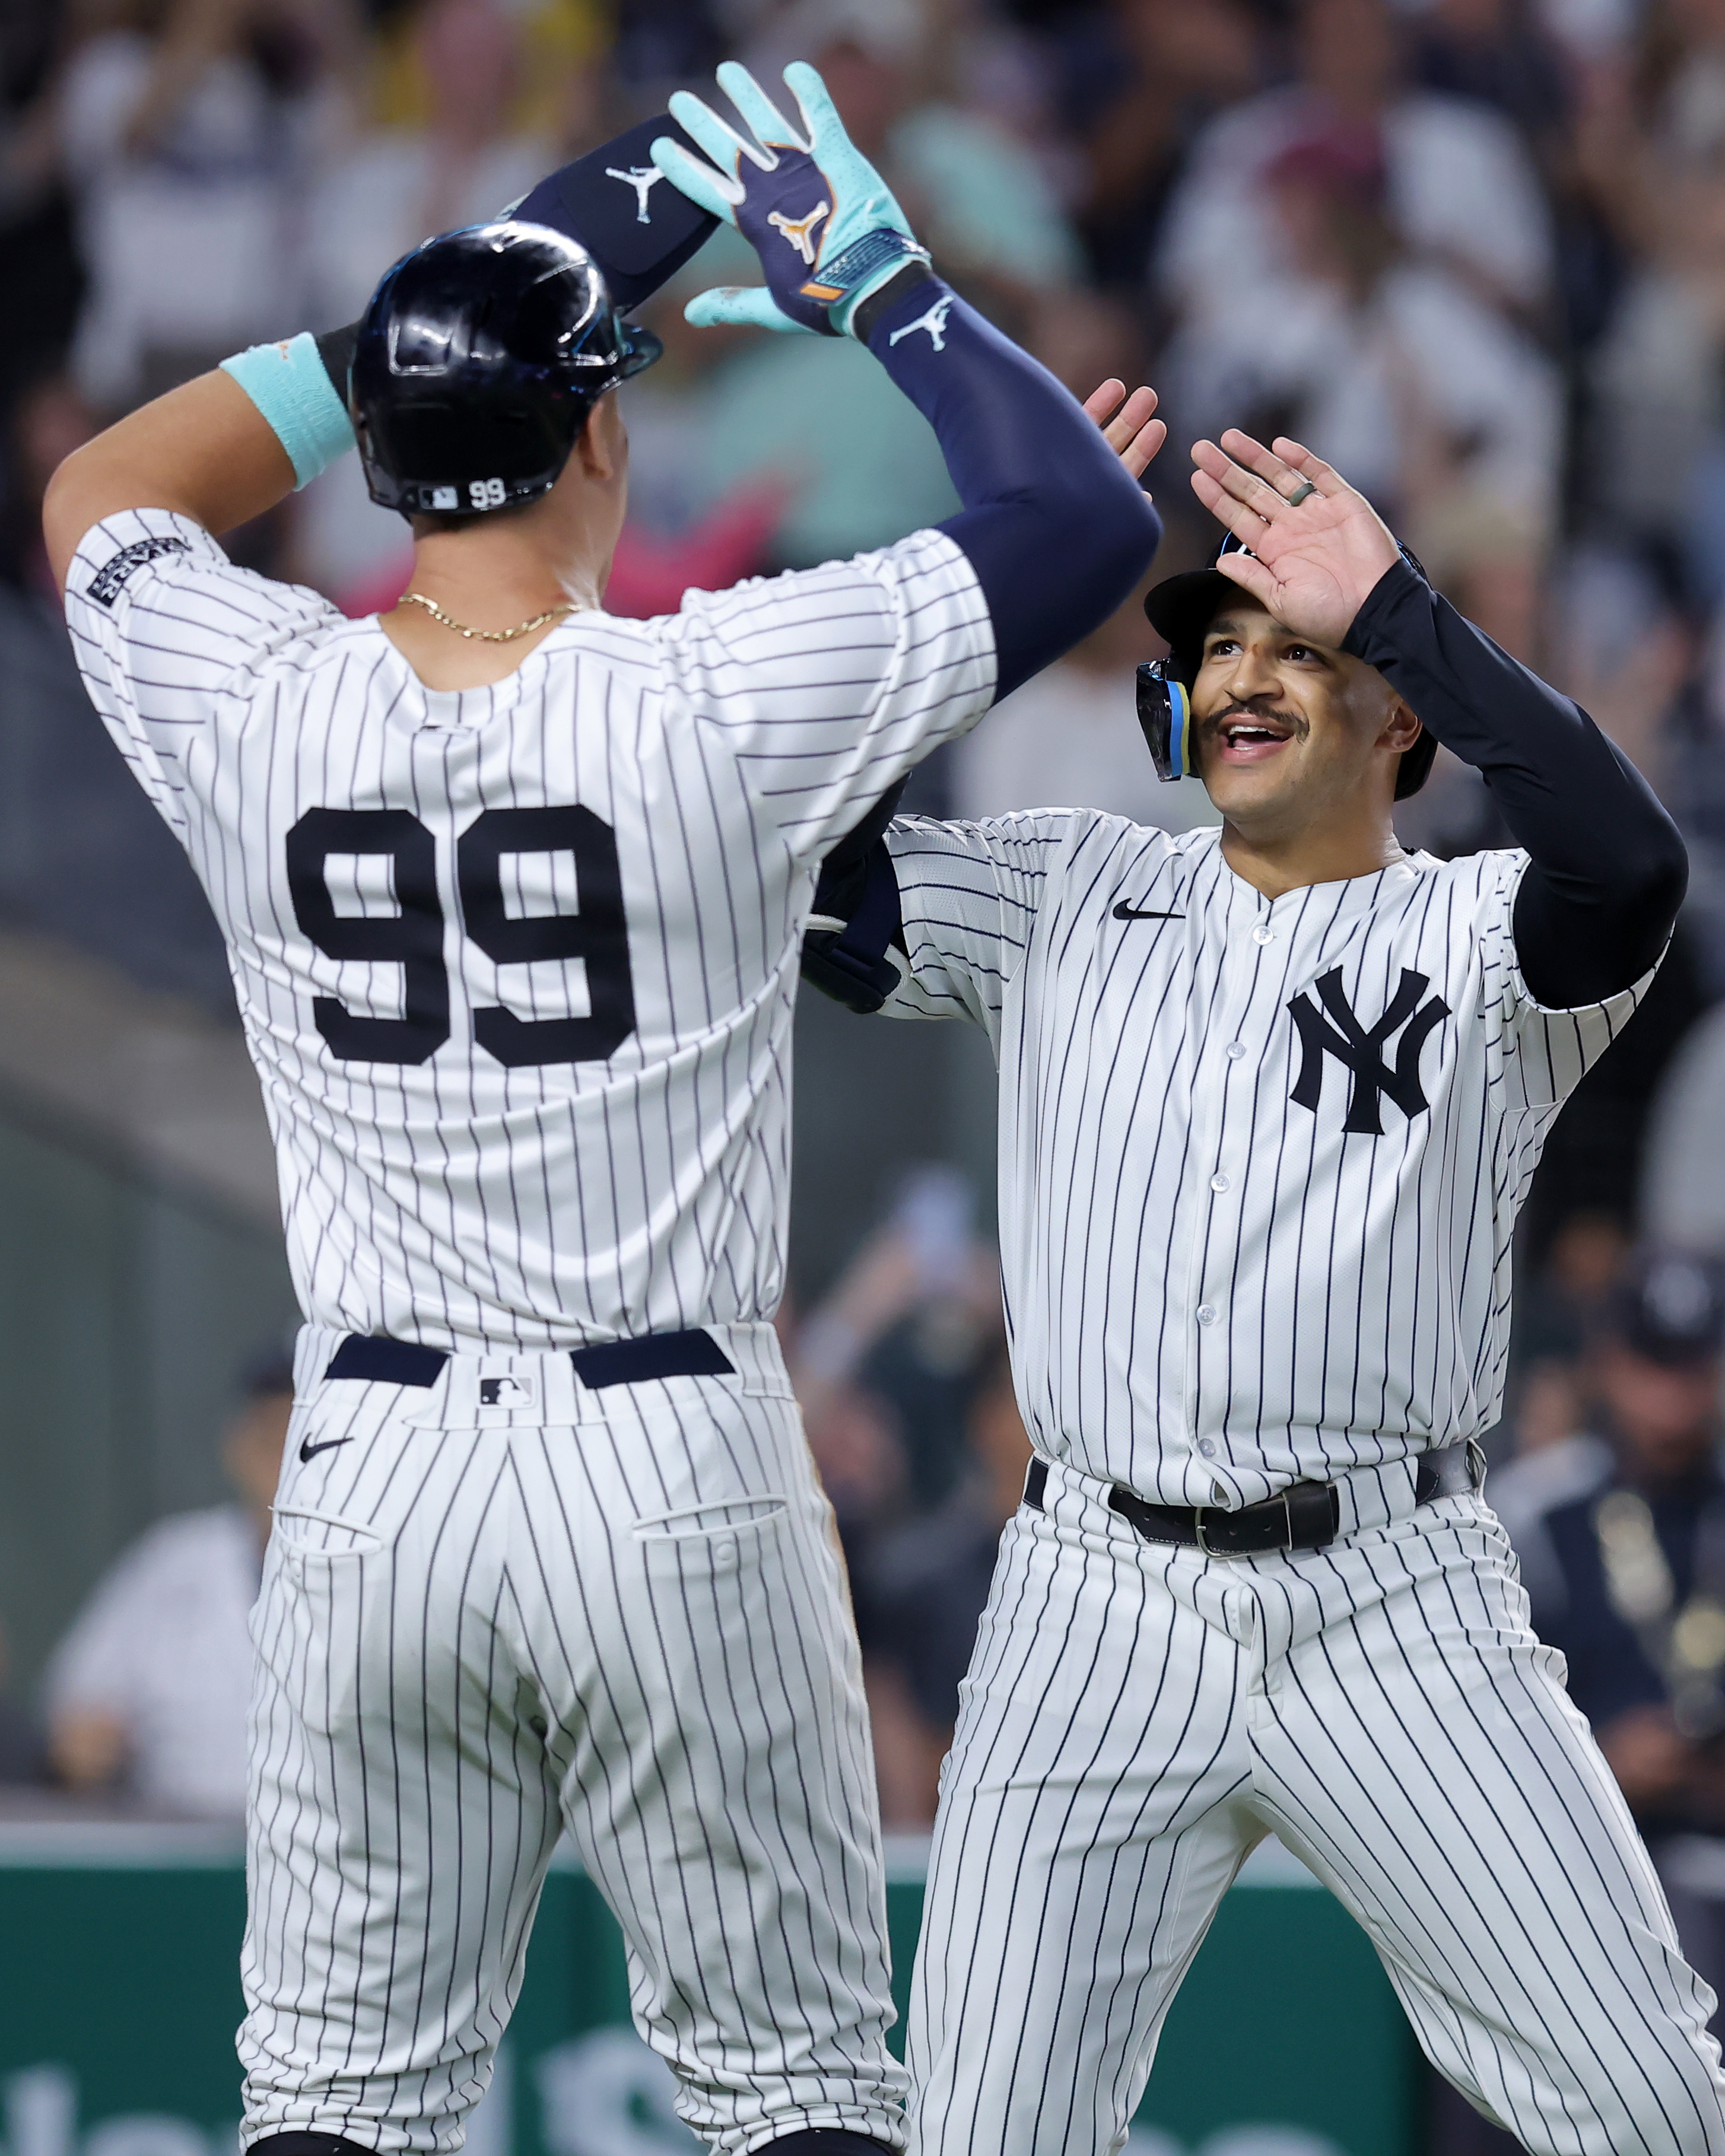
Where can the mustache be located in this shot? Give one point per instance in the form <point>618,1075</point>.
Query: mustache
<point>1259,713</point>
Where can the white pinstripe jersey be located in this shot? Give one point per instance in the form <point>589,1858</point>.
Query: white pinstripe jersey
<point>517,964</point>
<point>1233,1259</point>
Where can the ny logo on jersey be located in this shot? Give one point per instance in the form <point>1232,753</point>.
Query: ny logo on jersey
<point>1334,1030</point>
<point>934,321</point>
<point>800,231</point>
<point>641,178</point>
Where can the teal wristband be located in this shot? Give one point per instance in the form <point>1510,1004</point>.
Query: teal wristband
<point>289,385</point>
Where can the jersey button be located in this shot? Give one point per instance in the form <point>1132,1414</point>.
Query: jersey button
<point>1262,934</point>
<point>1208,1313</point>
<point>1235,1050</point>
<point>1219,1182</point>
<point>1207,1447</point>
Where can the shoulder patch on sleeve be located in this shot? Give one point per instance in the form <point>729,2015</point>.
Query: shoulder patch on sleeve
<point>105,586</point>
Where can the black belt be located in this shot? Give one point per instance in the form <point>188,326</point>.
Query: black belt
<point>694,1354</point>
<point>1305,1516</point>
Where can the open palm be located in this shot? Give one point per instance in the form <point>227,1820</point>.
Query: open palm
<point>1129,424</point>
<point>1312,562</point>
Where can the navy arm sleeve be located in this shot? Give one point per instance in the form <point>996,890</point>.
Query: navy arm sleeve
<point>1607,869</point>
<point>631,218</point>
<point>1056,529</point>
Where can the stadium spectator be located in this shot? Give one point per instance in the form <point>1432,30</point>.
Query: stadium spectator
<point>49,420</point>
<point>980,198</point>
<point>922,1591</point>
<point>463,162</point>
<point>1450,415</point>
<point>39,269</point>
<point>189,131</point>
<point>1460,187</point>
<point>1657,470</point>
<point>82,855</point>
<point>1141,82</point>
<point>147,1694</point>
<point>1683,1185</point>
<point>1623,1556</point>
<point>462,166</point>
<point>906,1320</point>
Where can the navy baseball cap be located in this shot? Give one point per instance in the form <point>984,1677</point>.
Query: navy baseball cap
<point>1668,1308</point>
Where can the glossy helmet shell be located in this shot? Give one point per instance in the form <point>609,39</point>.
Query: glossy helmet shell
<point>476,365</point>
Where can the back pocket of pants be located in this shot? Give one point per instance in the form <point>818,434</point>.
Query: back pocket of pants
<point>719,1537</point>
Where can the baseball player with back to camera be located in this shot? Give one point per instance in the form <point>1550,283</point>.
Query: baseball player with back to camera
<point>513,895</point>
<point>1269,1099</point>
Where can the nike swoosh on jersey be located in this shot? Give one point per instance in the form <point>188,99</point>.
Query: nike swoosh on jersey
<point>308,1450</point>
<point>1122,911</point>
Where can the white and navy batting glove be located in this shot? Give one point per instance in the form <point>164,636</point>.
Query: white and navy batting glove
<point>823,221</point>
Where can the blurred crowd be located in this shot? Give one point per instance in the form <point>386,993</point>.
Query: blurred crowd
<point>1472,251</point>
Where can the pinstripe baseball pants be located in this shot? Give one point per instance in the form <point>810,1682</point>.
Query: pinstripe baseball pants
<point>504,1606</point>
<point>1136,1719</point>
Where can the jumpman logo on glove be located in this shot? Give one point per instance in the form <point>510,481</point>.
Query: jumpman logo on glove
<point>821,264</point>
<point>798,229</point>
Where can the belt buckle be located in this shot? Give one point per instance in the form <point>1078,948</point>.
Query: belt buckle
<point>1208,1549</point>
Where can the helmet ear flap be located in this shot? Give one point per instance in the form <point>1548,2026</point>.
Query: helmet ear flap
<point>1165,715</point>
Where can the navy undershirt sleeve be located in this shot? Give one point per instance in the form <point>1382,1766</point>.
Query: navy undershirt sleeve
<point>1056,529</point>
<point>1607,869</point>
<point>617,205</point>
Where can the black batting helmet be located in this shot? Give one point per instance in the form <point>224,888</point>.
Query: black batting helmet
<point>1181,609</point>
<point>477,363</point>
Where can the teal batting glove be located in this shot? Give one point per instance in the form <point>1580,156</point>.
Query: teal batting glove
<point>739,306</point>
<point>823,221</point>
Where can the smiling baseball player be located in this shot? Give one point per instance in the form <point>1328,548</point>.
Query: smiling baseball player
<point>513,894</point>
<point>1269,1100</point>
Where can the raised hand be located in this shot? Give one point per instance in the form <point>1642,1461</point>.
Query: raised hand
<point>1128,427</point>
<point>1319,545</point>
<point>822,219</point>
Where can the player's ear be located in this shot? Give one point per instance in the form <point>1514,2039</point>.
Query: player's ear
<point>602,446</point>
<point>1402,728</point>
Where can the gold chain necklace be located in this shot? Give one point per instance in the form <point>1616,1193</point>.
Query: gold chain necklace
<point>485,635</point>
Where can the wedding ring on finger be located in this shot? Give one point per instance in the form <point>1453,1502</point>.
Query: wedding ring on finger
<point>1300,493</point>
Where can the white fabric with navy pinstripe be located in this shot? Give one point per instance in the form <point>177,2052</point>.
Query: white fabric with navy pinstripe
<point>1259,1166</point>
<point>1214,1288</point>
<point>517,967</point>
<point>617,1611</point>
<point>1136,1719</point>
<point>629,1178</point>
